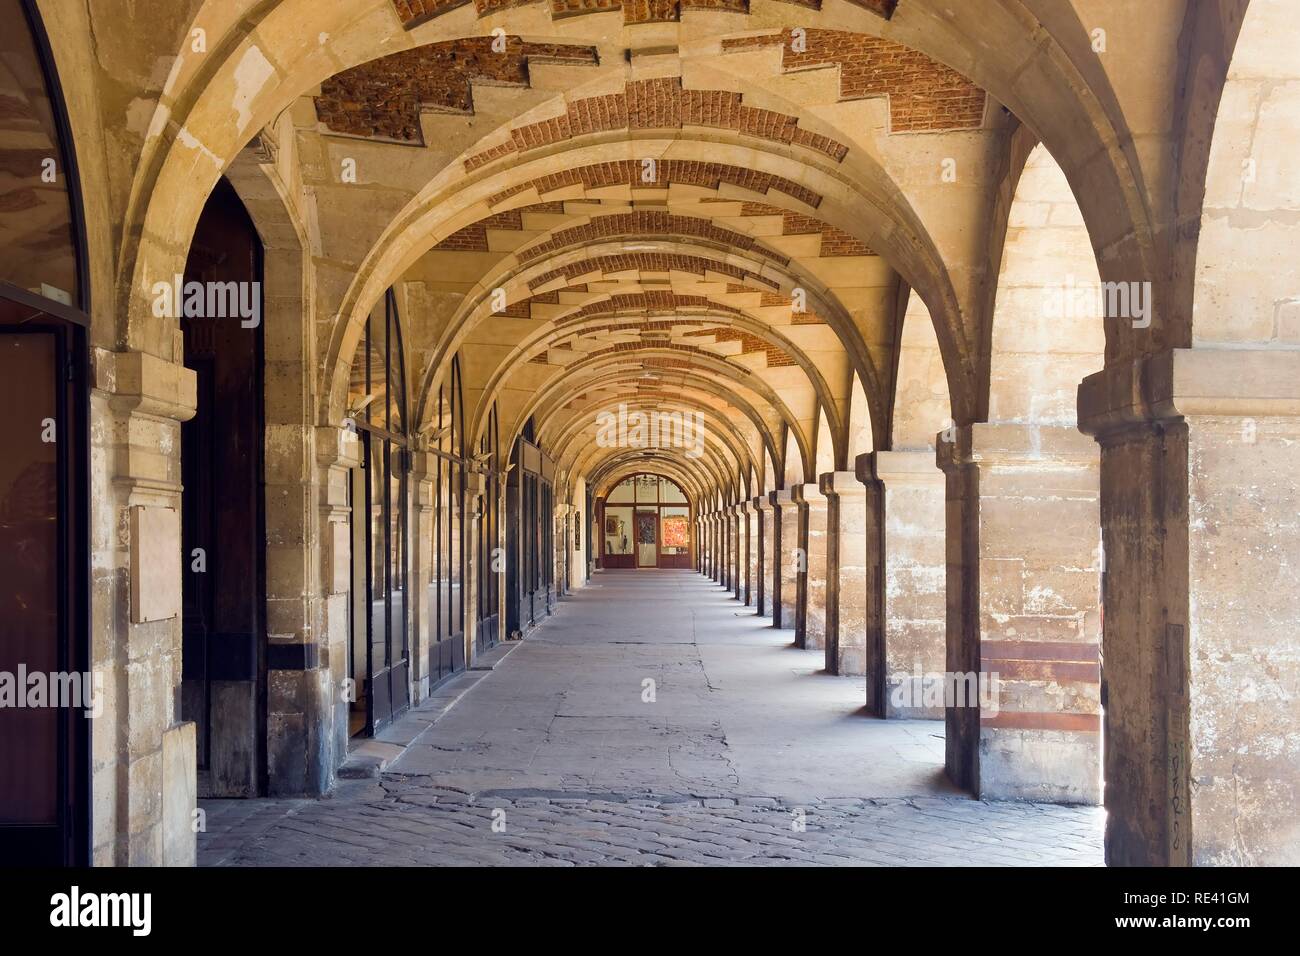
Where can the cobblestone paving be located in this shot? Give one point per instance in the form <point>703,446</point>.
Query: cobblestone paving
<point>407,822</point>
<point>749,755</point>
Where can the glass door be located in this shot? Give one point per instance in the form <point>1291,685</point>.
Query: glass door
<point>647,537</point>
<point>381,519</point>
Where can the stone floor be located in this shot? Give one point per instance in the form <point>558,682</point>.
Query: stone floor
<point>655,721</point>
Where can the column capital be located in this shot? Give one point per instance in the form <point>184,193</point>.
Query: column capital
<point>782,499</point>
<point>1181,383</point>
<point>145,384</point>
<point>842,484</point>
<point>808,494</point>
<point>762,503</point>
<point>903,466</point>
<point>337,446</point>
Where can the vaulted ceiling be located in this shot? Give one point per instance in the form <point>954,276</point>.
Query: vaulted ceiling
<point>669,208</point>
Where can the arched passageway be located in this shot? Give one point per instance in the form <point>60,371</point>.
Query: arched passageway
<point>821,312</point>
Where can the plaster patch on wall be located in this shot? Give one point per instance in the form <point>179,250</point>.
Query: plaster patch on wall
<point>191,141</point>
<point>250,76</point>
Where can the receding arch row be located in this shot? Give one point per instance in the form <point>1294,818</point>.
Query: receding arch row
<point>723,371</point>
<point>593,311</point>
<point>447,206</point>
<point>565,436</point>
<point>569,452</point>
<point>602,305</point>
<point>543,339</point>
<point>721,462</point>
<point>707,474</point>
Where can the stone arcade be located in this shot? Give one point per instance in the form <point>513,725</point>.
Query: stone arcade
<point>988,314</point>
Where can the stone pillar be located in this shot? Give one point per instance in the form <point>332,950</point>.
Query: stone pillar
<point>749,519</point>
<point>720,543</point>
<point>424,470</point>
<point>729,522</point>
<point>914,611</point>
<point>766,516</point>
<point>143,756</point>
<point>848,593</point>
<point>712,525</point>
<point>563,547</point>
<point>337,452</point>
<point>720,536</point>
<point>788,565</point>
<point>707,527</point>
<point>470,526</point>
<point>711,565</point>
<point>702,537</point>
<point>700,544</point>
<point>737,551</point>
<point>724,549</point>
<point>811,630</point>
<point>1199,503</point>
<point>1023,570</point>
<point>307,657</point>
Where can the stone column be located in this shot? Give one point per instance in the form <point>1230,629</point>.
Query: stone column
<point>720,542</point>
<point>306,653</point>
<point>143,756</point>
<point>733,550</point>
<point>847,591</point>
<point>1199,505</point>
<point>720,549</point>
<point>563,547</point>
<point>713,546</point>
<point>724,550</point>
<point>738,551</point>
<point>914,612</point>
<point>424,469</point>
<point>811,630</point>
<point>702,539</point>
<point>338,452</point>
<point>766,539</point>
<point>749,550</point>
<point>1023,571</point>
<point>470,526</point>
<point>706,525</point>
<point>789,564</point>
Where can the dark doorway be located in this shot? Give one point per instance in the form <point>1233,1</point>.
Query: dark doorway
<point>44,773</point>
<point>223,663</point>
<point>44,474</point>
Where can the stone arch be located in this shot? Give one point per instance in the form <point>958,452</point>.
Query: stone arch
<point>1047,333</point>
